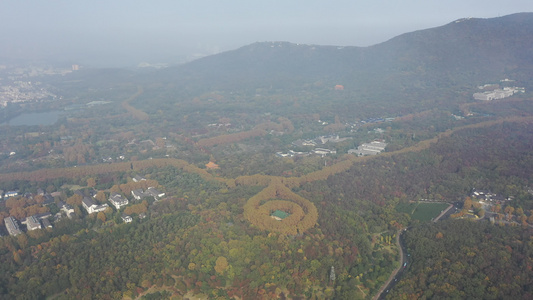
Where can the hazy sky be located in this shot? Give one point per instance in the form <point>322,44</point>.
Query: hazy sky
<point>126,32</point>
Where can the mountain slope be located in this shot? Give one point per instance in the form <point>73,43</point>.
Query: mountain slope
<point>499,45</point>
<point>415,71</point>
<point>474,46</point>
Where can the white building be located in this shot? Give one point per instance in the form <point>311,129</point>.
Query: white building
<point>154,193</point>
<point>67,209</point>
<point>498,93</point>
<point>372,148</point>
<point>138,194</point>
<point>11,194</point>
<point>138,178</point>
<point>324,151</point>
<point>118,201</point>
<point>12,226</point>
<point>91,207</point>
<point>127,219</point>
<point>33,223</point>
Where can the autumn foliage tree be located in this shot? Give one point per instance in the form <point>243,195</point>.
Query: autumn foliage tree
<point>303,213</point>
<point>221,265</point>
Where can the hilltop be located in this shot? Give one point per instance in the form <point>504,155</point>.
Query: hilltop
<point>442,62</point>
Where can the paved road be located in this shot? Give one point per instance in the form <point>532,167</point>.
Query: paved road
<point>404,264</point>
<point>398,272</point>
<point>442,213</point>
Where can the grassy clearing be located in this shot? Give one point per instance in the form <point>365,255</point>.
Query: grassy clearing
<point>407,208</point>
<point>422,211</point>
<point>428,211</point>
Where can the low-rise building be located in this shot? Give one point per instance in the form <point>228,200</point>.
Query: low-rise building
<point>66,208</point>
<point>138,178</point>
<point>138,194</point>
<point>48,199</point>
<point>42,216</point>
<point>118,201</point>
<point>154,193</point>
<point>46,223</point>
<point>327,139</point>
<point>33,223</point>
<point>497,93</point>
<point>11,194</point>
<point>372,148</point>
<point>303,143</point>
<point>127,219</point>
<point>12,226</point>
<point>91,207</point>
<point>323,151</point>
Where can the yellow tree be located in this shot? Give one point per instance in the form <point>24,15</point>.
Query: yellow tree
<point>468,203</point>
<point>221,265</point>
<point>100,197</point>
<point>91,182</point>
<point>101,216</point>
<point>74,200</point>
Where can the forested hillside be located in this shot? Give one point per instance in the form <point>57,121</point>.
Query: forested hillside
<point>487,262</point>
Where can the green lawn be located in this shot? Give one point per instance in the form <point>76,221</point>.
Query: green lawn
<point>422,211</point>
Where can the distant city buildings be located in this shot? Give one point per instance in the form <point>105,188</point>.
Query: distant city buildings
<point>497,93</point>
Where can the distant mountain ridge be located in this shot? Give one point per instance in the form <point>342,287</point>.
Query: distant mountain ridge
<point>465,50</point>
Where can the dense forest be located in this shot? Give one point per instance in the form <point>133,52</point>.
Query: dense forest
<point>487,262</point>
<point>200,240</point>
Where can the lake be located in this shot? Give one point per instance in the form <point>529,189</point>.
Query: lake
<point>32,119</point>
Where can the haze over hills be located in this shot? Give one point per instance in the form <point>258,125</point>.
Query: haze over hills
<point>467,51</point>
<point>475,50</point>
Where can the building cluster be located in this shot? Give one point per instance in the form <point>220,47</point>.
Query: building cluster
<point>354,126</point>
<point>498,93</point>
<point>43,220</point>
<point>321,140</point>
<point>488,197</point>
<point>372,148</point>
<point>38,221</point>
<point>12,226</point>
<point>292,153</point>
<point>219,125</point>
<point>8,194</point>
<point>24,91</point>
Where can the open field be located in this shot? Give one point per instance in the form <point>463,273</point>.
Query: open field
<point>422,211</point>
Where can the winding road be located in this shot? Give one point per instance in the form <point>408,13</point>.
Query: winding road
<point>398,272</point>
